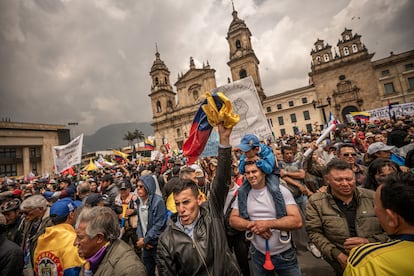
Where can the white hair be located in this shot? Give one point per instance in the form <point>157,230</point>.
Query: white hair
<point>100,219</point>
<point>34,201</point>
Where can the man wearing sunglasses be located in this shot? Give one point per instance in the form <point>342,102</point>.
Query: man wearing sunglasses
<point>36,219</point>
<point>151,221</point>
<point>346,152</point>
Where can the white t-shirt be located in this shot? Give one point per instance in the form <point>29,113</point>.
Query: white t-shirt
<point>260,206</point>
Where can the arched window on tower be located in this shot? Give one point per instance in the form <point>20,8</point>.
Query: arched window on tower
<point>242,74</point>
<point>318,60</point>
<point>169,104</point>
<point>354,48</point>
<point>166,80</point>
<point>238,44</point>
<point>346,51</point>
<point>159,107</point>
<point>156,81</point>
<point>326,57</point>
<point>178,132</point>
<point>195,94</point>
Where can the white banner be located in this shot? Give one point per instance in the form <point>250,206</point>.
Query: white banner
<point>68,155</point>
<point>396,109</point>
<point>246,103</point>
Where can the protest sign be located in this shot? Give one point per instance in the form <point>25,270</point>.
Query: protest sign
<point>246,103</point>
<point>68,155</point>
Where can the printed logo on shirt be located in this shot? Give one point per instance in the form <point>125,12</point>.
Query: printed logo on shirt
<point>48,264</point>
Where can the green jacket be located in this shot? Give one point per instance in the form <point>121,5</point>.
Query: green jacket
<point>327,226</point>
<point>120,260</point>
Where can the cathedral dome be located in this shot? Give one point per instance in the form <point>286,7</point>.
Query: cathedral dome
<point>237,23</point>
<point>158,63</point>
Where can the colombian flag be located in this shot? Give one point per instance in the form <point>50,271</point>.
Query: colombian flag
<point>199,133</point>
<point>361,115</point>
<point>120,156</point>
<point>148,144</point>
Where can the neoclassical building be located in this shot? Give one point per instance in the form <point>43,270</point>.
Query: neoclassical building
<point>27,147</point>
<point>341,80</point>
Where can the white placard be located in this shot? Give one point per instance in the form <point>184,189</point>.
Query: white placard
<point>68,155</point>
<point>246,103</point>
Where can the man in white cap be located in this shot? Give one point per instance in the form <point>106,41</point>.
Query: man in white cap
<point>381,150</point>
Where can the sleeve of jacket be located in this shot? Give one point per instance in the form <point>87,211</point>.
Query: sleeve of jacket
<point>165,261</point>
<point>267,161</point>
<point>314,228</point>
<point>158,222</point>
<point>221,183</point>
<point>242,163</point>
<point>313,167</point>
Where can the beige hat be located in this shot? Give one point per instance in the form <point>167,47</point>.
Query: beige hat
<point>369,135</point>
<point>213,161</point>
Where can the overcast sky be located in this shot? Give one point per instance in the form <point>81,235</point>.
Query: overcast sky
<point>88,61</point>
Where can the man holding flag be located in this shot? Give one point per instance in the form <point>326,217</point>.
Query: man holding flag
<point>194,241</point>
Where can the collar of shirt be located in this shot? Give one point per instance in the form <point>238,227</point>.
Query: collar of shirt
<point>188,229</point>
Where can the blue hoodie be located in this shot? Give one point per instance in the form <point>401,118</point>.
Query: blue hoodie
<point>156,212</point>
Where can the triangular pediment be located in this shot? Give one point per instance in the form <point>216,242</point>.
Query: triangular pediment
<point>192,74</point>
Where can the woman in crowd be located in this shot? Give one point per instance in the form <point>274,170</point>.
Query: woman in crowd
<point>378,170</point>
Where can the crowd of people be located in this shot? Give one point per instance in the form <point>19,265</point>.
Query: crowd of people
<point>348,200</point>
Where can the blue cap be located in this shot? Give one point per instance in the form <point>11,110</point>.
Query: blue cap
<point>248,142</point>
<point>63,207</point>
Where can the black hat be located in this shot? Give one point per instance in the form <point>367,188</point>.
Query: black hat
<point>10,205</point>
<point>125,185</point>
<point>107,177</point>
<point>93,199</point>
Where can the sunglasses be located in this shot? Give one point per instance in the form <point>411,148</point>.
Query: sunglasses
<point>28,212</point>
<point>350,154</point>
<point>140,186</point>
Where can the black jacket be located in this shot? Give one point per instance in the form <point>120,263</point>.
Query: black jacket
<point>397,137</point>
<point>11,257</point>
<point>178,254</point>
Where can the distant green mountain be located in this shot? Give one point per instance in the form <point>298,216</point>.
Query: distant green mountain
<point>110,136</point>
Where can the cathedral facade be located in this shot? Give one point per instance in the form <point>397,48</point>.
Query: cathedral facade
<point>340,82</point>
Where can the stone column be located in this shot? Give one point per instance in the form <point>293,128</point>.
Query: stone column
<point>26,160</point>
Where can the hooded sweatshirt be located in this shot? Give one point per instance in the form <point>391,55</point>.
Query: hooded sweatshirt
<point>156,213</point>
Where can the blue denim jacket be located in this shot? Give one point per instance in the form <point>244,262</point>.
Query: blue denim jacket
<point>272,184</point>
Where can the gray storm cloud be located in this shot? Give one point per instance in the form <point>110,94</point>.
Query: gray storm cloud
<point>89,61</point>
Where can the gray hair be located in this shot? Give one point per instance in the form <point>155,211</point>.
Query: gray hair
<point>83,188</point>
<point>34,201</point>
<point>100,219</point>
